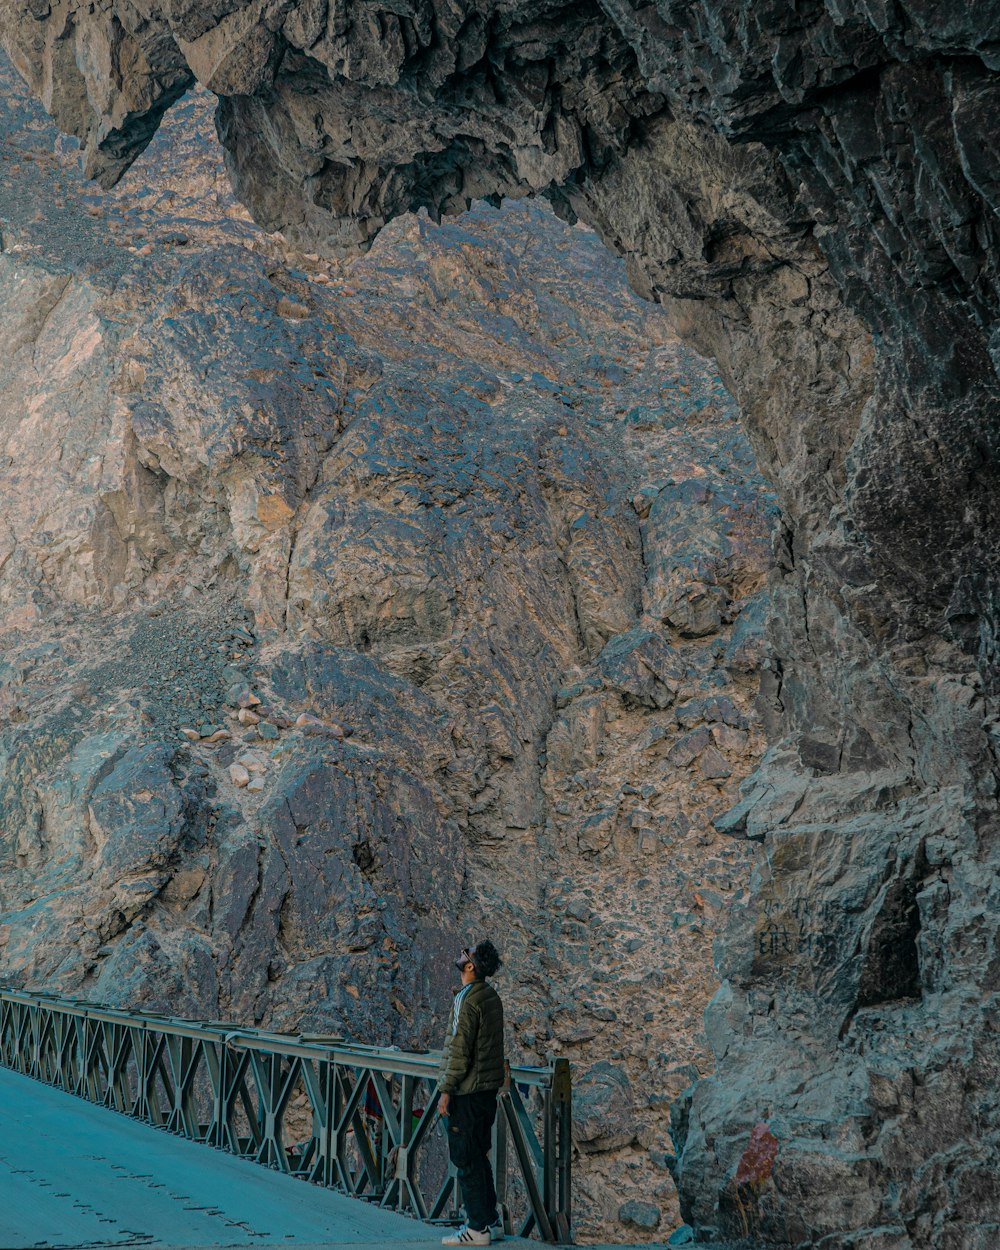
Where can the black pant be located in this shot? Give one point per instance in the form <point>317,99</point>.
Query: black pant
<point>470,1139</point>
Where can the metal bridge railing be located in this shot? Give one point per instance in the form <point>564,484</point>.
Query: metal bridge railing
<point>358,1119</point>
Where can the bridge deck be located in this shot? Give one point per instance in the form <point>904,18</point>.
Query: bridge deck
<point>74,1175</point>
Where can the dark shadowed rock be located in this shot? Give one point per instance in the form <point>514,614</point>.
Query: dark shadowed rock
<point>603,1108</point>
<point>640,1215</point>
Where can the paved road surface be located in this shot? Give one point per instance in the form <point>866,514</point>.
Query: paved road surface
<point>75,1175</point>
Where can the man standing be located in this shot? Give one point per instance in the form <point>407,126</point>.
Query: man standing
<point>472,1071</point>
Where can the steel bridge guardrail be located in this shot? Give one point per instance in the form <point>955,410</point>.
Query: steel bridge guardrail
<point>354,1118</point>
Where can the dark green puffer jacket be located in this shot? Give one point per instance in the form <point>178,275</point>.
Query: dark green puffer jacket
<point>473,1053</point>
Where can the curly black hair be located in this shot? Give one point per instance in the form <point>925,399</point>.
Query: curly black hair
<point>486,958</point>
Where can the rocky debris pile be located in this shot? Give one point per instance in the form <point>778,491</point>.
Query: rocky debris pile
<point>328,606</point>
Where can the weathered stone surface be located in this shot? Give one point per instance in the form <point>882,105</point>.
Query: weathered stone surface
<point>813,192</point>
<point>642,1215</point>
<point>604,1110</point>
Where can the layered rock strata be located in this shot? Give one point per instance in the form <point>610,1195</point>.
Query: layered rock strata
<point>812,188</point>
<point>347,610</point>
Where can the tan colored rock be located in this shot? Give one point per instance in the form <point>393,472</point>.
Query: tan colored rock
<point>247,717</point>
<point>730,739</point>
<point>239,775</point>
<point>184,885</point>
<point>293,309</point>
<point>273,510</point>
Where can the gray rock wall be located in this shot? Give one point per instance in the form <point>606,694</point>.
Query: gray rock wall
<point>349,610</point>
<point>812,190</point>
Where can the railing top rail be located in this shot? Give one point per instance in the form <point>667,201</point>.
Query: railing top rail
<point>303,1046</point>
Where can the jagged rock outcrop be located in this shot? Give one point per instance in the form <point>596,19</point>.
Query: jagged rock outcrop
<point>813,190</point>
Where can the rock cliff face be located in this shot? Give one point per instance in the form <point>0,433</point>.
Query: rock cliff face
<point>349,610</point>
<point>812,189</point>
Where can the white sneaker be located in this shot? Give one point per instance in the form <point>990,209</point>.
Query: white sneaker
<point>466,1236</point>
<point>496,1231</point>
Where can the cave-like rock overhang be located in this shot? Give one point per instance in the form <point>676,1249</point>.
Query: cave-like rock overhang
<point>814,191</point>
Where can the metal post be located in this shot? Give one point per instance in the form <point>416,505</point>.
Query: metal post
<point>562,1096</point>
<point>500,1163</point>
